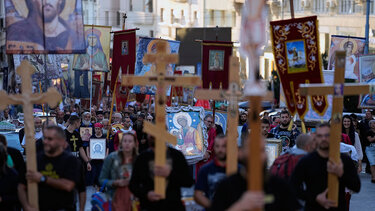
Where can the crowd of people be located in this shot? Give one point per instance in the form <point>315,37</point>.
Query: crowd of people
<point>295,181</point>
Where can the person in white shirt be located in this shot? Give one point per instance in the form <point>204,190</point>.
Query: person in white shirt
<point>38,130</point>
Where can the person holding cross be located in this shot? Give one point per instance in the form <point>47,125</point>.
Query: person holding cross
<point>57,174</point>
<point>176,171</point>
<point>231,193</point>
<point>312,171</point>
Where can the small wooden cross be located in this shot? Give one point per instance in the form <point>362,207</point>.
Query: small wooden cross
<point>27,99</point>
<point>338,89</point>
<point>161,59</point>
<point>233,95</point>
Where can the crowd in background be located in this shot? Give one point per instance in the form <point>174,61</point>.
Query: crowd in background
<point>65,167</point>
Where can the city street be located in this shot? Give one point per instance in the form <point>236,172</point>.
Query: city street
<point>365,200</point>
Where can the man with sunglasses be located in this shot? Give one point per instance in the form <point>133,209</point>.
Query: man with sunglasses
<point>57,175</point>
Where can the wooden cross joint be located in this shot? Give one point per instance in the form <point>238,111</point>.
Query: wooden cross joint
<point>155,130</point>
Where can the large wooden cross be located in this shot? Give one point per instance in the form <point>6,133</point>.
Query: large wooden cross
<point>27,99</point>
<point>338,89</point>
<point>233,94</point>
<point>161,59</point>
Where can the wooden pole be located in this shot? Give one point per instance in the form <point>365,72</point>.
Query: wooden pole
<point>112,103</point>
<point>291,8</point>
<point>336,125</point>
<point>255,165</point>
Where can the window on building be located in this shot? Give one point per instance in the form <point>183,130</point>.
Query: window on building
<point>161,14</point>
<point>320,6</point>
<point>151,33</point>
<point>130,5</point>
<point>148,6</point>
<point>212,17</point>
<point>297,5</point>
<point>347,6</point>
<point>172,17</point>
<point>118,18</point>
<point>106,18</point>
<point>234,16</point>
<point>223,19</point>
<point>182,19</point>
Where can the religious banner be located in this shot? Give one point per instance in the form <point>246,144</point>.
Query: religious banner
<point>123,53</point>
<point>186,123</point>
<point>353,46</point>
<point>367,75</point>
<point>312,115</point>
<point>96,58</point>
<point>295,46</point>
<point>56,29</point>
<point>215,64</point>
<point>81,84</point>
<point>147,45</point>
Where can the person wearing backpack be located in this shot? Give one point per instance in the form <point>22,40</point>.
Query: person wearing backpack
<point>284,165</point>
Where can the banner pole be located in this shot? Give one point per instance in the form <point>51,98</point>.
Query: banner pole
<point>112,103</point>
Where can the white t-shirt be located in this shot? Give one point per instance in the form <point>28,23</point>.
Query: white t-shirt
<point>37,136</point>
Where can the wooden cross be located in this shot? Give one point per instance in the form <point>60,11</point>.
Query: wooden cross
<point>27,99</point>
<point>233,94</point>
<point>161,59</point>
<point>338,89</point>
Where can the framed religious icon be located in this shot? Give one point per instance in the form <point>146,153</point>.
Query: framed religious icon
<point>97,149</point>
<point>216,60</point>
<point>124,48</point>
<point>186,123</point>
<point>86,133</point>
<point>353,46</point>
<point>273,150</point>
<point>367,75</point>
<point>296,56</point>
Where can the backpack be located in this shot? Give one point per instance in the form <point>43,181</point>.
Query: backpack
<point>284,165</point>
<point>100,201</point>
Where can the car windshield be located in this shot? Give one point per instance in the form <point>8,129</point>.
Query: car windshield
<point>13,140</point>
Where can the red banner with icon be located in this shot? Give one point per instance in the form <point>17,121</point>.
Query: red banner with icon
<point>124,43</point>
<point>295,44</point>
<point>215,64</point>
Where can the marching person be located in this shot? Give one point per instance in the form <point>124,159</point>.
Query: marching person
<point>176,171</point>
<point>311,173</point>
<point>116,172</point>
<point>231,193</point>
<point>56,176</point>
<point>211,174</point>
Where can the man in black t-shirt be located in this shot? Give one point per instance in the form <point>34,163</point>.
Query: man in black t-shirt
<point>57,174</point>
<point>231,193</point>
<point>176,172</point>
<point>74,140</point>
<point>310,175</point>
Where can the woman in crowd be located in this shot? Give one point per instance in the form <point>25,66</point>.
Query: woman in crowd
<point>370,149</point>
<point>92,177</point>
<point>8,183</point>
<point>349,129</point>
<point>116,172</point>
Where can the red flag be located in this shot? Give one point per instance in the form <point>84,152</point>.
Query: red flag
<point>123,54</point>
<point>215,64</point>
<point>295,44</point>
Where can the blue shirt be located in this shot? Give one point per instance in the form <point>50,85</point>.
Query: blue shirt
<point>209,177</point>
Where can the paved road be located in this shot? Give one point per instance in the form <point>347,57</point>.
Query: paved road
<point>365,199</point>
